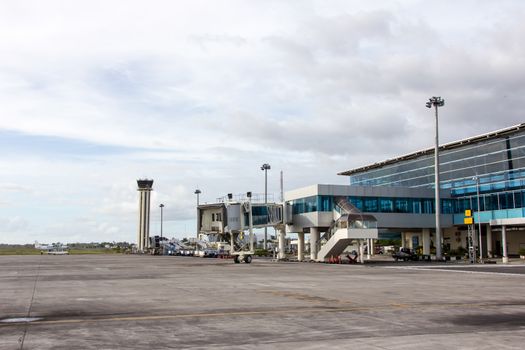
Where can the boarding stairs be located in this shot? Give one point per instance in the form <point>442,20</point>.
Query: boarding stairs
<point>349,225</point>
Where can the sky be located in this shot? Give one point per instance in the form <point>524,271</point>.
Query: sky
<point>199,94</point>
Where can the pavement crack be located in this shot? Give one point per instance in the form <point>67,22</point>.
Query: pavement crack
<point>22,339</point>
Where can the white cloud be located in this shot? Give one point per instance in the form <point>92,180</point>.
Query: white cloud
<point>13,187</point>
<point>13,224</point>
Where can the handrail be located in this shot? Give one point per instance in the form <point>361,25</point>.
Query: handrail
<point>345,208</point>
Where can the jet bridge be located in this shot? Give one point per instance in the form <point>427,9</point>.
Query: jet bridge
<point>233,221</point>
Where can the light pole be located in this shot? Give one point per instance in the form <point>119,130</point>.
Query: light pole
<point>437,102</point>
<point>265,167</point>
<point>161,207</point>
<point>476,178</point>
<point>250,219</point>
<point>198,192</point>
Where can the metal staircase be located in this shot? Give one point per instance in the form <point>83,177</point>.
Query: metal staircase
<point>350,225</point>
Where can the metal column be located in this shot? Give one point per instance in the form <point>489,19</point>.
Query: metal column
<point>505,258</point>
<point>489,241</point>
<point>282,238</point>
<point>300,246</point>
<point>314,237</point>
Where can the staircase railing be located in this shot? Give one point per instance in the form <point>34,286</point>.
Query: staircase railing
<point>343,206</point>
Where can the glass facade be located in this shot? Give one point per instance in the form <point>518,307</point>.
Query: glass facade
<point>498,162</point>
<point>263,215</point>
<point>259,215</point>
<point>311,204</point>
<point>373,205</point>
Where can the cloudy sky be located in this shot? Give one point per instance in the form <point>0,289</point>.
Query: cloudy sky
<point>198,94</point>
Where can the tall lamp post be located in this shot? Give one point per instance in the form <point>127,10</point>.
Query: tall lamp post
<point>198,192</point>
<point>437,102</point>
<point>265,167</point>
<point>476,178</point>
<point>161,206</point>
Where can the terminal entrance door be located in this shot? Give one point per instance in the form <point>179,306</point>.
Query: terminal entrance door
<point>415,242</point>
<point>498,251</point>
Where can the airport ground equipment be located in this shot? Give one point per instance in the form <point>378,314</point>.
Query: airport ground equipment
<point>156,245</point>
<point>205,249</point>
<point>172,246</point>
<point>232,222</point>
<point>405,254</point>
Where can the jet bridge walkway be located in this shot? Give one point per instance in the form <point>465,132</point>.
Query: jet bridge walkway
<point>233,221</point>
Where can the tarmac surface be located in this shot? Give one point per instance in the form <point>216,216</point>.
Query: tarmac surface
<point>146,302</point>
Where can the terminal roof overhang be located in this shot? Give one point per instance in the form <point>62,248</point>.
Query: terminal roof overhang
<point>447,146</point>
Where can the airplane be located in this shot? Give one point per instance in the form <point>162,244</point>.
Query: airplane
<point>52,249</point>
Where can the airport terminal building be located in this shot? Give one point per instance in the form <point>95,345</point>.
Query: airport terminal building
<point>399,193</point>
<point>396,198</point>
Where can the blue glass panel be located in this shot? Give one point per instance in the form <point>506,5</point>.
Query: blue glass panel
<point>485,216</point>
<point>357,202</point>
<point>428,206</point>
<point>403,205</point>
<point>326,203</point>
<point>514,213</point>
<point>458,219</point>
<point>446,206</point>
<point>259,210</point>
<point>386,205</point>
<point>416,206</point>
<point>474,205</point>
<point>506,201</point>
<point>491,202</point>
<point>370,205</point>
<point>499,214</point>
<point>310,204</point>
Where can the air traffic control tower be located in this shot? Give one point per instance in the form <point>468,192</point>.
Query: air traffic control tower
<point>144,188</point>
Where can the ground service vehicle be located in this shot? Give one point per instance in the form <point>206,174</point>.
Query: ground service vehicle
<point>405,254</point>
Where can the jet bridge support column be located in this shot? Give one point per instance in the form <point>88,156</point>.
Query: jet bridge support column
<point>489,241</point>
<point>505,258</point>
<point>425,237</point>
<point>361,252</point>
<point>282,238</point>
<point>300,246</point>
<point>314,237</point>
